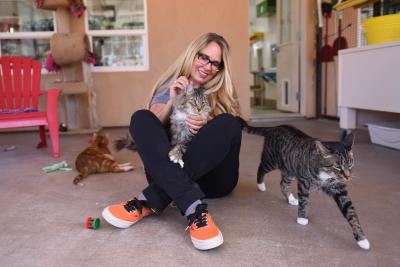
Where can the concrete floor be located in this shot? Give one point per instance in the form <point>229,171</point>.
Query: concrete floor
<point>42,215</point>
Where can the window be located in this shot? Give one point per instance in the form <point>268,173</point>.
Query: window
<point>363,13</point>
<point>118,34</point>
<point>25,30</point>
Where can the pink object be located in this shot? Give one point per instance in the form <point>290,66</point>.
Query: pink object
<point>77,7</point>
<point>19,92</point>
<point>50,65</point>
<point>90,57</point>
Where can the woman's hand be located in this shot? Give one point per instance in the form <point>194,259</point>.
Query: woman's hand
<point>195,122</point>
<point>177,87</point>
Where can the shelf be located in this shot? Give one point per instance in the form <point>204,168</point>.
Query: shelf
<point>71,88</point>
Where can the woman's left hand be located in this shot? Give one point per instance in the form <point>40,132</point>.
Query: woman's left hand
<point>195,122</point>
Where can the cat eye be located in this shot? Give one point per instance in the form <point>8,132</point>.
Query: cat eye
<point>205,59</point>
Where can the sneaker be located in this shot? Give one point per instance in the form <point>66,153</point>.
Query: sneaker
<point>127,213</point>
<point>203,232</point>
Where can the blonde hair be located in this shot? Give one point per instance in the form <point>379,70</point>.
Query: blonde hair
<point>220,89</point>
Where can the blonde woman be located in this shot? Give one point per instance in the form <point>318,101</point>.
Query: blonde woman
<point>212,158</point>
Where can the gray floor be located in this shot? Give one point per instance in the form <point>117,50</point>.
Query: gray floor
<point>42,215</point>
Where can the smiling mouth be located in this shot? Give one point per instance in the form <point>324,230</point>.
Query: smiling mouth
<point>203,74</point>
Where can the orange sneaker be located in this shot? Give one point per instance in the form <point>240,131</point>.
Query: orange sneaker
<point>203,232</point>
<point>127,213</point>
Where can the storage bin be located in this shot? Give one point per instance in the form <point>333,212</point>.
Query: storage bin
<point>385,133</point>
<point>382,29</point>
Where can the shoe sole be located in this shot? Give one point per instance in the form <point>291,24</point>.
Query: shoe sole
<point>209,243</point>
<point>111,219</point>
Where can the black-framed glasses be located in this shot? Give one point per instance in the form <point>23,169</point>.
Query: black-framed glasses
<point>205,59</point>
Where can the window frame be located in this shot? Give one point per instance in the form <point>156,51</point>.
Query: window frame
<point>111,33</point>
<point>31,35</point>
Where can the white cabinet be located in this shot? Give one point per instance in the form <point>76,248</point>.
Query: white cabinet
<point>369,79</point>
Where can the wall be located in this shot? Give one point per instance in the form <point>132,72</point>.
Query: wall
<point>171,26</point>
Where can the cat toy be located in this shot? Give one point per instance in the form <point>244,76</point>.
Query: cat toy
<point>63,165</point>
<point>92,223</point>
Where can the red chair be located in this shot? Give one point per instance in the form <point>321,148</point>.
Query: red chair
<point>19,92</point>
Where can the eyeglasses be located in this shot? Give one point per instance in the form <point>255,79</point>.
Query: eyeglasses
<point>204,60</point>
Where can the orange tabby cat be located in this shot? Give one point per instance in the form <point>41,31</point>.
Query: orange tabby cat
<point>97,158</point>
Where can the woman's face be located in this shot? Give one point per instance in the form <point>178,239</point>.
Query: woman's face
<point>206,64</point>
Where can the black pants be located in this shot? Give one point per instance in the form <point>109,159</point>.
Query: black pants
<point>211,161</point>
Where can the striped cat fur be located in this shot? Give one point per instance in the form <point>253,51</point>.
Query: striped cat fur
<point>315,164</point>
<point>97,158</point>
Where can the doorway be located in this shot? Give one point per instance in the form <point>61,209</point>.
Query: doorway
<point>274,58</point>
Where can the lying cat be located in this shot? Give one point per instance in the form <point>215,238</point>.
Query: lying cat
<point>97,158</point>
<point>190,102</point>
<point>316,165</point>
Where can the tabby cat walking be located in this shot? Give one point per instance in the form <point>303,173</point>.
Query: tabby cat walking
<point>97,158</point>
<point>316,165</point>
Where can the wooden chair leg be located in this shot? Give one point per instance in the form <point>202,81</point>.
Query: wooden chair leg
<point>42,134</point>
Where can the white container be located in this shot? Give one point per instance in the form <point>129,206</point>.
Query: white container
<point>385,133</point>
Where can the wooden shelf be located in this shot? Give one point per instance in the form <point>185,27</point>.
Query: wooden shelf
<point>71,88</point>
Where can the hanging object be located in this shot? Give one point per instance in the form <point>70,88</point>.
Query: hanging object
<point>68,48</point>
<point>326,50</point>
<point>51,4</point>
<point>50,65</point>
<point>77,7</point>
<point>340,42</point>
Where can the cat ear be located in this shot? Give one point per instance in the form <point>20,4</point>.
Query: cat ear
<point>347,139</point>
<point>328,157</point>
<point>321,148</point>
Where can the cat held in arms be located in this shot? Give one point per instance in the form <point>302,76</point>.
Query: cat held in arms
<point>316,165</point>
<point>190,102</point>
<point>97,158</point>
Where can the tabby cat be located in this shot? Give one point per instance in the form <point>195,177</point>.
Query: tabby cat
<point>190,102</point>
<point>97,158</point>
<point>316,165</point>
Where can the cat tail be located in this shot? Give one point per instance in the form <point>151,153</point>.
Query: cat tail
<point>78,178</point>
<point>125,142</point>
<point>250,129</point>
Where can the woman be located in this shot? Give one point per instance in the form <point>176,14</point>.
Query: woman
<point>212,158</point>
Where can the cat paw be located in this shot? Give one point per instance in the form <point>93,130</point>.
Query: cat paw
<point>126,166</point>
<point>176,157</point>
<point>302,221</point>
<point>292,200</point>
<point>181,163</point>
<point>364,244</point>
<point>261,187</point>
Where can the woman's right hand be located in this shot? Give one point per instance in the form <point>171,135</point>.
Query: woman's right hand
<point>177,87</point>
